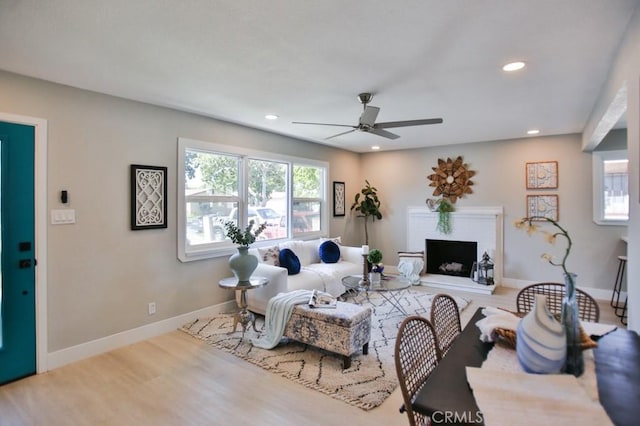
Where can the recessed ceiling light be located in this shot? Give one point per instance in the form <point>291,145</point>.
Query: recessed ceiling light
<point>533,132</point>
<point>271,117</point>
<point>513,66</point>
<point>375,147</point>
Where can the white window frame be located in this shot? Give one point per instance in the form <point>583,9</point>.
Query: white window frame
<point>598,159</point>
<point>226,247</point>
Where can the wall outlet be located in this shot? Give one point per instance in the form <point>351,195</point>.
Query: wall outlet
<point>152,308</point>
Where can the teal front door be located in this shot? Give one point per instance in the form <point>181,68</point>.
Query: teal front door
<point>17,245</point>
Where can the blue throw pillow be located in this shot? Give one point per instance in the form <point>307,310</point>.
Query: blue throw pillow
<point>329,252</point>
<point>289,260</point>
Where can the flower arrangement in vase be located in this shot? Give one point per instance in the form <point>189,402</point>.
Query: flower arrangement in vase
<point>574,363</point>
<point>242,264</point>
<point>244,237</point>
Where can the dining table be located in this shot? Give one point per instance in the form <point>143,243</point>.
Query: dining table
<point>447,398</point>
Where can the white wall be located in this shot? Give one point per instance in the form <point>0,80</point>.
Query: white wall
<point>102,275</point>
<point>401,178</point>
<point>626,70</point>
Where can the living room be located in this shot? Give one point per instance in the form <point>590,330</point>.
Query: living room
<point>101,276</point>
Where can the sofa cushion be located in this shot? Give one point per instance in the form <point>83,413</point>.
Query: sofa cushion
<point>289,260</point>
<point>329,252</point>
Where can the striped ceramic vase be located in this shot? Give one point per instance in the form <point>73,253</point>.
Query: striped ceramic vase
<point>541,342</point>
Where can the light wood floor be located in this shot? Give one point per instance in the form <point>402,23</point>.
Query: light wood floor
<point>175,379</point>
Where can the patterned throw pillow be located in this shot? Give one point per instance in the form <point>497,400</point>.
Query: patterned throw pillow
<point>329,252</point>
<point>289,260</point>
<point>270,255</point>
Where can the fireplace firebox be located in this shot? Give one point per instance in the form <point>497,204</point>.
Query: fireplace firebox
<point>446,257</point>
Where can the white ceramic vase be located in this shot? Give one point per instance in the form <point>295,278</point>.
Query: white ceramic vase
<point>541,342</point>
<point>242,264</point>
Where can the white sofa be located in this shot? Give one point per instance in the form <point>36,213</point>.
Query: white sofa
<point>314,274</point>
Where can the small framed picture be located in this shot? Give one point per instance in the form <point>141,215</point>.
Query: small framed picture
<point>148,197</point>
<point>543,206</point>
<point>338,199</point>
<point>542,175</point>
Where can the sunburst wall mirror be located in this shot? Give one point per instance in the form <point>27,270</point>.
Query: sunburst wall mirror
<point>451,179</point>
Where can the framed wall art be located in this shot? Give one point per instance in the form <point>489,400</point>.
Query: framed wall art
<point>542,175</point>
<point>543,206</point>
<point>148,197</point>
<point>338,199</point>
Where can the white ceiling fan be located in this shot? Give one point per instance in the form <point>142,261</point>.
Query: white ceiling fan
<point>367,122</point>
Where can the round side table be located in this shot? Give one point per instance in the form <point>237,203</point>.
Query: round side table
<point>243,316</point>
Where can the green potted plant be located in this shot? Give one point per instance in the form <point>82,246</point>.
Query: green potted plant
<point>366,203</point>
<point>242,264</point>
<point>375,258</point>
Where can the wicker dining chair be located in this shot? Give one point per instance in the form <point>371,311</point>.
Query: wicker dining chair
<point>416,355</point>
<point>445,318</point>
<point>588,309</point>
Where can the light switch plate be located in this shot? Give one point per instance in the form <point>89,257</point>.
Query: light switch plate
<point>63,216</point>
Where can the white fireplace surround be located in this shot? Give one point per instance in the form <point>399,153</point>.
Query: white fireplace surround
<point>483,225</point>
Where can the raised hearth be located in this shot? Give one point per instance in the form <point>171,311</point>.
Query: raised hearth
<point>483,225</point>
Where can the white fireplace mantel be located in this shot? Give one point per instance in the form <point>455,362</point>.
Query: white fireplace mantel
<point>483,225</point>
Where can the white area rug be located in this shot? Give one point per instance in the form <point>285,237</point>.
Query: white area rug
<point>369,381</point>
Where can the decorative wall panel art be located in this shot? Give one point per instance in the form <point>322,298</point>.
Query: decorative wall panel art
<point>542,175</point>
<point>148,197</point>
<point>543,206</point>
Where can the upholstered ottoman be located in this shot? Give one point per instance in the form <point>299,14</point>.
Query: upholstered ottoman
<point>344,329</point>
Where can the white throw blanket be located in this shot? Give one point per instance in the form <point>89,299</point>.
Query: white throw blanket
<point>278,312</point>
<point>496,318</point>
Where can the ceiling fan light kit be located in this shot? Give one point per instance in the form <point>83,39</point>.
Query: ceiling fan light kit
<point>367,122</point>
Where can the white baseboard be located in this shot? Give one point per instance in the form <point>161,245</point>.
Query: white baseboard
<point>96,347</point>
<point>596,293</point>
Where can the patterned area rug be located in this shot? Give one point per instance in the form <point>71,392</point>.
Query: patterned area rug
<point>366,384</point>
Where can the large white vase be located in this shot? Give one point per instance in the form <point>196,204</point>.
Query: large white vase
<point>243,264</point>
<point>541,342</point>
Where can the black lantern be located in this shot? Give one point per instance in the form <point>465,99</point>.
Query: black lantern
<point>485,270</point>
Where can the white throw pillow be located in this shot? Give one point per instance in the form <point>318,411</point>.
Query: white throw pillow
<point>299,249</point>
<point>311,249</point>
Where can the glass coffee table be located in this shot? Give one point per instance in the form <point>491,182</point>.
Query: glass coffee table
<point>390,288</point>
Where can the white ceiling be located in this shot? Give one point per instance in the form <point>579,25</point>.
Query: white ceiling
<point>237,60</point>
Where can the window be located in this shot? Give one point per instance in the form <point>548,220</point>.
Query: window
<point>218,183</point>
<point>610,187</point>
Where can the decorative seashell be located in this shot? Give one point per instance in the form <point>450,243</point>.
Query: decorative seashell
<point>410,269</point>
<point>541,343</point>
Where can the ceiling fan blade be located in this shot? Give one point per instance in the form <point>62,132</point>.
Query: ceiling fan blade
<point>407,123</point>
<point>368,117</point>
<point>340,134</point>
<point>381,132</point>
<point>325,124</point>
